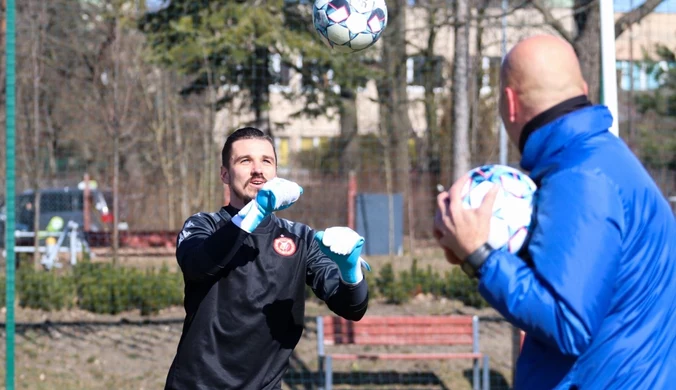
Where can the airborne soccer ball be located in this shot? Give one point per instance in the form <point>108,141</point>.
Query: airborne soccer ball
<point>513,206</point>
<point>349,26</point>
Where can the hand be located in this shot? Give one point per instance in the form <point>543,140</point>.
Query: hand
<point>276,194</point>
<point>343,246</point>
<point>450,256</point>
<point>462,230</point>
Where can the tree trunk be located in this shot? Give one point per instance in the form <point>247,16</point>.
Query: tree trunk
<point>349,129</point>
<point>461,152</point>
<point>116,142</point>
<point>394,97</point>
<point>429,155</point>
<point>207,139</point>
<point>260,82</point>
<point>164,152</point>
<point>476,74</point>
<point>36,48</point>
<point>587,45</point>
<point>181,155</point>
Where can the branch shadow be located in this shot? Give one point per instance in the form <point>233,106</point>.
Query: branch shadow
<point>496,379</point>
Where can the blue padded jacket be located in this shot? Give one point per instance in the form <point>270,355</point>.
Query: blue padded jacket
<point>595,287</point>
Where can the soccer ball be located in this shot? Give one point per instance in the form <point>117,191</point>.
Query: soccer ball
<point>348,26</point>
<point>513,206</point>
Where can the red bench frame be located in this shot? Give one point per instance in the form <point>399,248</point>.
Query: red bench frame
<point>400,331</point>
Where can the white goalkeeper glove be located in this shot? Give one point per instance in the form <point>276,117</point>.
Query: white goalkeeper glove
<point>276,194</point>
<point>343,246</point>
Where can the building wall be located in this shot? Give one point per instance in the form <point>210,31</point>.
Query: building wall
<point>295,134</point>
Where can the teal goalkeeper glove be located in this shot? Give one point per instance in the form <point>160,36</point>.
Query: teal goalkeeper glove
<point>276,194</point>
<point>343,246</point>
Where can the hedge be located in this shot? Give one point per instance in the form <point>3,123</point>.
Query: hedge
<point>107,289</point>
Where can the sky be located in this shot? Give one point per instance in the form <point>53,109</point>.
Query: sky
<point>667,6</point>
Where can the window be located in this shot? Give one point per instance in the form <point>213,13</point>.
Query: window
<point>645,78</point>
<point>490,68</point>
<point>279,70</point>
<point>416,68</point>
<point>282,146</point>
<point>307,143</point>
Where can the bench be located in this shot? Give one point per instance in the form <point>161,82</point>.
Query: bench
<point>400,331</point>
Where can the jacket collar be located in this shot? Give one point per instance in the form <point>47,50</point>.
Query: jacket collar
<point>552,138</point>
<point>553,113</point>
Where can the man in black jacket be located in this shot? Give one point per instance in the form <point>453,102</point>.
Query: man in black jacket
<point>245,272</point>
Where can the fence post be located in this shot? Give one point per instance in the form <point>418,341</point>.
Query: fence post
<point>516,348</point>
<point>86,203</point>
<point>351,195</point>
<point>10,141</point>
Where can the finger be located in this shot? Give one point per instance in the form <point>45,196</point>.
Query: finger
<point>442,201</point>
<point>364,263</point>
<point>456,189</point>
<point>437,233</point>
<point>456,193</point>
<point>486,208</point>
<point>451,257</point>
<point>319,236</point>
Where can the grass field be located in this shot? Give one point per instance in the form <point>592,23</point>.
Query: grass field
<point>79,350</point>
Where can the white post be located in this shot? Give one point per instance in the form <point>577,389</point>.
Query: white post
<point>503,51</point>
<point>73,248</point>
<point>608,67</point>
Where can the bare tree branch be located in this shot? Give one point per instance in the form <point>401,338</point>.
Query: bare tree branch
<point>635,16</point>
<point>552,21</point>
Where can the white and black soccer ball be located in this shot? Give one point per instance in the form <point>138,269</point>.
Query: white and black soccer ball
<point>513,208</point>
<point>349,26</point>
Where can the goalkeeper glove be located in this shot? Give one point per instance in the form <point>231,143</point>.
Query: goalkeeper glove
<point>276,194</point>
<point>343,246</point>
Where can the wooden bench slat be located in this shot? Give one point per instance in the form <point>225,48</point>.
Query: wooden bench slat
<point>403,320</point>
<point>400,340</point>
<point>397,330</point>
<point>406,356</point>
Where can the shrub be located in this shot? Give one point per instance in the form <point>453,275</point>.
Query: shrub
<point>453,285</point>
<point>387,285</point>
<point>44,290</point>
<point>104,288</point>
<point>155,291</point>
<point>99,288</point>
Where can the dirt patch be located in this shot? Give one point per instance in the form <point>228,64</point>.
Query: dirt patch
<point>76,349</point>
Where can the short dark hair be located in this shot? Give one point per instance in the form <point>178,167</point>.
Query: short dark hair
<point>243,133</point>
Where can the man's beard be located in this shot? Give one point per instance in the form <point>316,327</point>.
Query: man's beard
<point>245,197</point>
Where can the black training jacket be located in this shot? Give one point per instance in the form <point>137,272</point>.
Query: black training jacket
<point>245,300</point>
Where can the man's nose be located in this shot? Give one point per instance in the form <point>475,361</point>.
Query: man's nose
<point>257,167</point>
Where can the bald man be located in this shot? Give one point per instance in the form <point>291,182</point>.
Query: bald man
<point>595,285</point>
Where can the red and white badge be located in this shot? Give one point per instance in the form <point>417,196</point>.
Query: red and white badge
<point>284,246</point>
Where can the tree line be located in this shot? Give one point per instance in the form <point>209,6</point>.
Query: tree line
<point>132,97</point>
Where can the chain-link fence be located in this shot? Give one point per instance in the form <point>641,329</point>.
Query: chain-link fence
<point>122,108</point>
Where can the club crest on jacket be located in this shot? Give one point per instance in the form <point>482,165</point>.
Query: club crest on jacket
<point>284,246</point>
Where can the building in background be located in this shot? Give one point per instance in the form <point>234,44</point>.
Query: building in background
<point>295,135</point>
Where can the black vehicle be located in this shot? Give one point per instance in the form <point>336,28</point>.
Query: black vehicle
<point>65,202</point>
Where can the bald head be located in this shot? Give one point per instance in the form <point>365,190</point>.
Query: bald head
<point>539,72</point>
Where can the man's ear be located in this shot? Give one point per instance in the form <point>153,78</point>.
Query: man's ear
<point>225,176</point>
<point>511,103</point>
